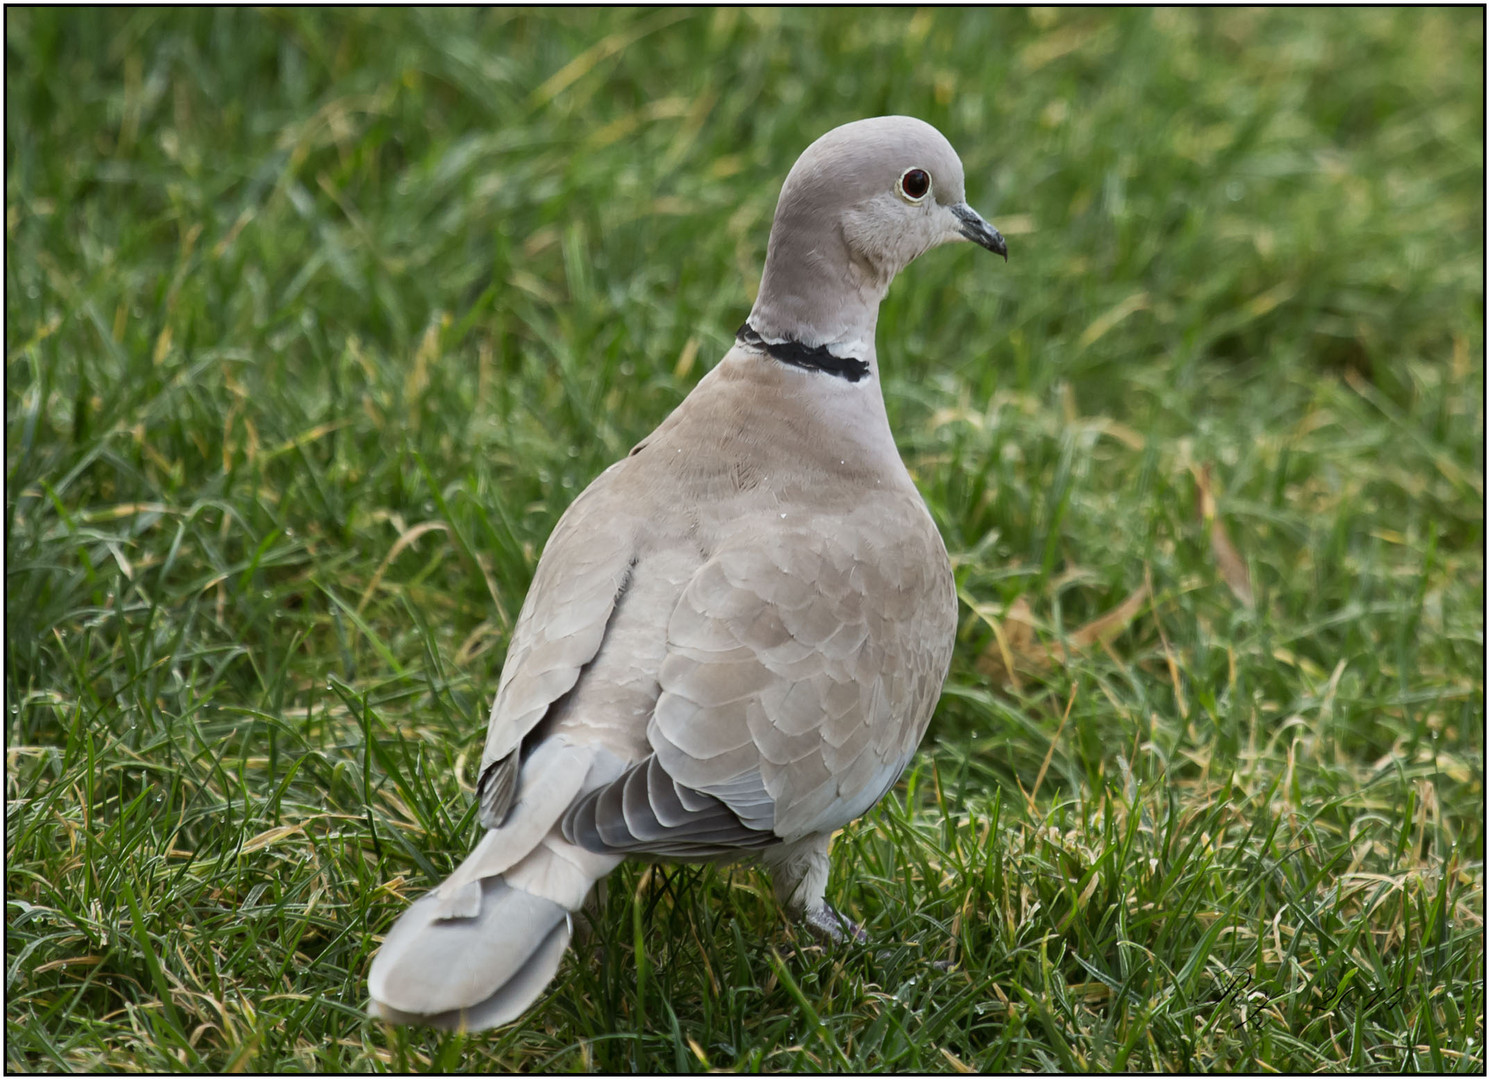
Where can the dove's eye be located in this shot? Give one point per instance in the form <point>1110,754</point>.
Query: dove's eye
<point>914,184</point>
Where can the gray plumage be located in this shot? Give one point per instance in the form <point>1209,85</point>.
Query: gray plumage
<point>736,636</point>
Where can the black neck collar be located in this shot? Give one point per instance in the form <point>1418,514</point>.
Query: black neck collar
<point>796,354</point>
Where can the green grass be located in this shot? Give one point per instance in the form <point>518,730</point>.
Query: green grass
<point>317,320</point>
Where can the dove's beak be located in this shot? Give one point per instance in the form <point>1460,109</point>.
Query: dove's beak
<point>972,226</point>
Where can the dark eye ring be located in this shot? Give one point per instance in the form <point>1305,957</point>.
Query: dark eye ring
<point>914,184</point>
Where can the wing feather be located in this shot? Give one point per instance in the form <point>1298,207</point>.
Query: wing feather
<point>644,812</point>
<point>811,658</point>
<point>580,578</point>
<point>802,667</point>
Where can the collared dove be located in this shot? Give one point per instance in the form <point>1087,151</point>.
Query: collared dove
<point>737,634</point>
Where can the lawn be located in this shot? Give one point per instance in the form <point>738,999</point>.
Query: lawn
<point>317,320</point>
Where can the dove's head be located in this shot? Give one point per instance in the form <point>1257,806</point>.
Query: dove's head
<point>860,203</point>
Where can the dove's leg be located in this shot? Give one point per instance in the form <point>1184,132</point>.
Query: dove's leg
<point>799,873</point>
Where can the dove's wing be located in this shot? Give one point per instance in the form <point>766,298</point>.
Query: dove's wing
<point>584,573</point>
<point>802,667</point>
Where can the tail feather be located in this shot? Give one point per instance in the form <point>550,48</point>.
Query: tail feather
<point>551,778</point>
<point>431,965</point>
<point>503,1005</point>
<point>479,949</point>
<point>561,871</point>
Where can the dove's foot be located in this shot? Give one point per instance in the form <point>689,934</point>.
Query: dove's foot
<point>799,872</point>
<point>831,927</point>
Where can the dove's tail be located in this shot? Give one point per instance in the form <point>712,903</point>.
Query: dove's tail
<point>480,948</point>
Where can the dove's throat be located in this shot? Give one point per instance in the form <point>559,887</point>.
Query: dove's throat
<point>816,291</point>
